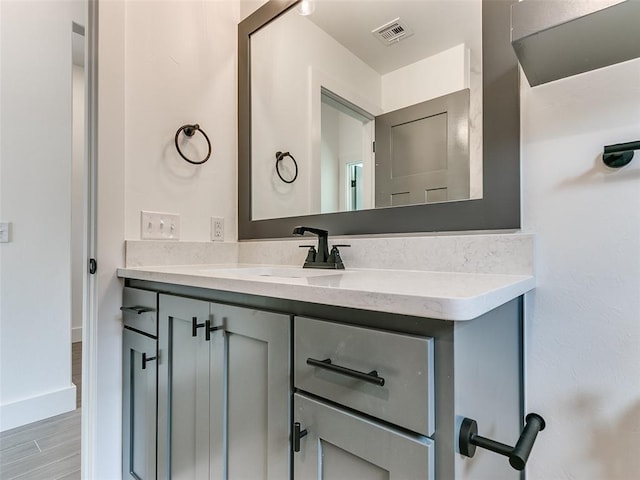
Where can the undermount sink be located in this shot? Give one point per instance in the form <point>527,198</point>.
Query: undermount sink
<point>276,272</point>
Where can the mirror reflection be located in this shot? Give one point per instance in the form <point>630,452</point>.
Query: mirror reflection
<point>377,103</point>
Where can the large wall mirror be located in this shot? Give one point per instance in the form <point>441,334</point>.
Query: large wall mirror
<point>370,116</point>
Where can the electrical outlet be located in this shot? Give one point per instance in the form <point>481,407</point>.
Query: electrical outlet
<point>4,232</point>
<point>217,229</point>
<point>159,226</point>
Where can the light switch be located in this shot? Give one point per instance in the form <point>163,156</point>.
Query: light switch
<point>159,226</point>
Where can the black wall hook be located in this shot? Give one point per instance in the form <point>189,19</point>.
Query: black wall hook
<point>620,154</point>
<point>518,455</point>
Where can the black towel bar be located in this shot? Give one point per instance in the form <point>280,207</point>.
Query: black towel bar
<point>518,454</point>
<point>620,154</point>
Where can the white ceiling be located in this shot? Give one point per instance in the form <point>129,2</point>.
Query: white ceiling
<point>437,26</point>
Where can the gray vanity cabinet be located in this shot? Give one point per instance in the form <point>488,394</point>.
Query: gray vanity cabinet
<point>263,389</point>
<point>224,394</point>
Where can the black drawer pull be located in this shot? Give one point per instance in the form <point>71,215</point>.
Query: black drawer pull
<point>146,359</point>
<point>137,310</point>
<point>371,377</point>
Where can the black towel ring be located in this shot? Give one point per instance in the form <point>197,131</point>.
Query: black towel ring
<point>280,156</point>
<point>190,131</point>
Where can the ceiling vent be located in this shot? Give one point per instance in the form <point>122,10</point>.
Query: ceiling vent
<point>392,32</point>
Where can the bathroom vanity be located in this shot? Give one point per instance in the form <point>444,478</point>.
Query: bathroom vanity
<point>284,372</point>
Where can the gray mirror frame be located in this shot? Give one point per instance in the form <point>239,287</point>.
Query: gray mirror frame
<point>498,209</point>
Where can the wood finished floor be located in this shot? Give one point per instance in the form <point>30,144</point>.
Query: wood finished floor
<point>48,449</point>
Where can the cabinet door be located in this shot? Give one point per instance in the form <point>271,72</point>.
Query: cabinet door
<point>185,404</point>
<point>340,445</point>
<point>139,399</point>
<point>259,392</point>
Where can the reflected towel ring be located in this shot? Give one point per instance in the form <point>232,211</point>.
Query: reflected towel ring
<point>280,156</point>
<point>190,131</point>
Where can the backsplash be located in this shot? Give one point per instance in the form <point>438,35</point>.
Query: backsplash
<point>144,253</point>
<point>510,253</point>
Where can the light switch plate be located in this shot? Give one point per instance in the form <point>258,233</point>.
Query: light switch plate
<point>4,232</point>
<point>159,226</point>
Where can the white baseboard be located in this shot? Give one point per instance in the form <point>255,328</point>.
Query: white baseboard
<point>36,408</point>
<point>76,334</point>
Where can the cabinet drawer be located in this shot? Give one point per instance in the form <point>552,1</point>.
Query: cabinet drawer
<point>403,392</point>
<point>139,310</point>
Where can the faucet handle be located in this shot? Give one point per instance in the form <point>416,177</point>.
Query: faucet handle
<point>334,256</point>
<point>311,254</point>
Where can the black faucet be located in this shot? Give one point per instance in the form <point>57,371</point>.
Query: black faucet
<point>322,254</point>
<point>321,258</point>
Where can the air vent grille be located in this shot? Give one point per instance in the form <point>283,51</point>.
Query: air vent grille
<point>392,32</point>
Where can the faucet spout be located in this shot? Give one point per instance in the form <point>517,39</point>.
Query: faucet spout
<point>323,241</point>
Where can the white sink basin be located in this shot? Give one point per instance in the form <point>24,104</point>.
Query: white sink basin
<point>278,272</point>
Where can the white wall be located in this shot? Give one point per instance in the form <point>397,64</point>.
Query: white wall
<point>35,161</point>
<point>416,82</point>
<point>181,69</point>
<point>583,320</point>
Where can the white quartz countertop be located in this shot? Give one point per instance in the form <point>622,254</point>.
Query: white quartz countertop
<point>440,295</point>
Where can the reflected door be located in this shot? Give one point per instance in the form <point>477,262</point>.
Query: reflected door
<point>422,152</point>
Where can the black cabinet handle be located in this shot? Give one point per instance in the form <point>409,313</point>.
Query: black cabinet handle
<point>518,455</point>
<point>146,359</point>
<point>195,326</point>
<point>208,329</point>
<point>371,377</point>
<point>297,435</point>
<point>137,310</point>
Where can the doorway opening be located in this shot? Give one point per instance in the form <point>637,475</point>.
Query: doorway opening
<point>346,155</point>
